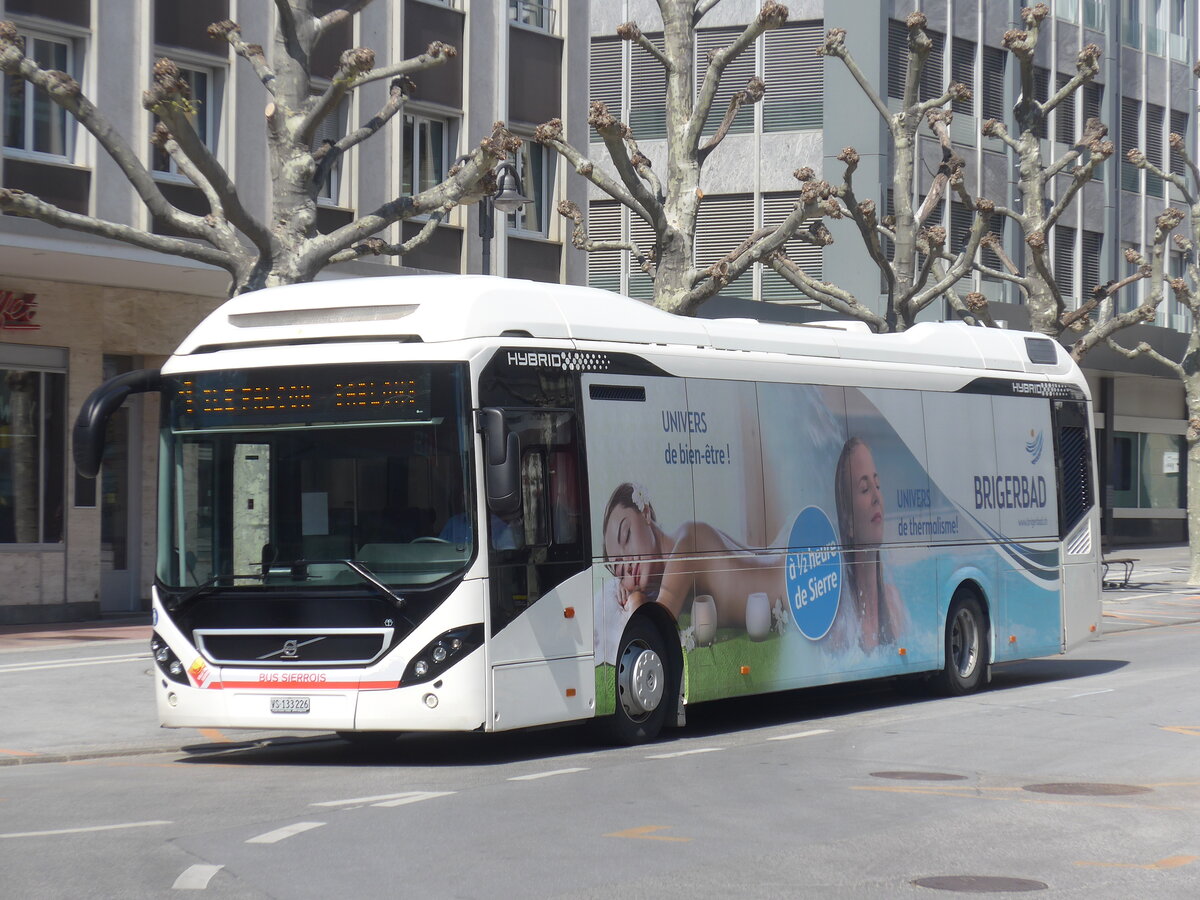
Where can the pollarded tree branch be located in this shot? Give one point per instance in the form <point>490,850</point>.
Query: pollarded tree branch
<point>629,31</point>
<point>21,204</point>
<point>346,11</point>
<point>752,93</point>
<point>380,247</point>
<point>835,46</point>
<point>581,241</point>
<point>551,135</point>
<point>464,183</point>
<point>327,157</point>
<point>230,32</point>
<point>169,98</point>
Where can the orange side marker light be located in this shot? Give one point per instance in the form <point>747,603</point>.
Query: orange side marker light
<point>569,612</point>
<point>1012,638</point>
<point>745,670</point>
<point>903,651</point>
<point>570,692</point>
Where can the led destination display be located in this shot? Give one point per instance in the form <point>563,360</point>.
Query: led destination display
<point>314,395</point>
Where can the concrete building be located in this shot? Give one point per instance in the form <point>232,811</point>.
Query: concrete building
<point>813,108</point>
<point>74,309</point>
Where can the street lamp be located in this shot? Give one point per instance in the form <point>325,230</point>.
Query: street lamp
<point>508,197</point>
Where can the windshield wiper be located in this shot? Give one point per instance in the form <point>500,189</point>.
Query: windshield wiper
<point>299,572</point>
<point>205,588</point>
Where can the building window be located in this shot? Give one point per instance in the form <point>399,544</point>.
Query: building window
<point>1131,114</point>
<point>1093,246</point>
<point>1155,116</point>
<point>1156,27</point>
<point>1094,14</point>
<point>203,115</point>
<point>1179,126</point>
<point>932,81</point>
<point>331,130</point>
<point>424,148</point>
<point>32,121</point>
<point>1067,10</point>
<point>647,93</point>
<point>605,75</point>
<point>32,455</point>
<point>1041,93</point>
<point>1064,115</point>
<point>1180,48</point>
<point>739,71</point>
<point>795,77</point>
<point>994,62</point>
<point>537,14</point>
<point>1131,23</point>
<point>721,225</point>
<point>810,258</point>
<point>1064,261</point>
<point>604,224</point>
<point>962,71</point>
<point>535,166</point>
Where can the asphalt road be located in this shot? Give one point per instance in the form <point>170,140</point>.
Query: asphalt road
<point>1072,776</point>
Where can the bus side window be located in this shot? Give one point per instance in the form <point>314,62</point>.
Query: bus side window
<point>533,497</point>
<point>564,496</point>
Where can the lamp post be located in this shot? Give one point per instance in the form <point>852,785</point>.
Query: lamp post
<point>507,198</point>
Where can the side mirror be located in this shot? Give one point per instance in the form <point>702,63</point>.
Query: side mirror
<point>87,437</point>
<point>502,472</point>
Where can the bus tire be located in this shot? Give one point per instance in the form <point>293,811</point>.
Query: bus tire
<point>966,645</point>
<point>644,686</point>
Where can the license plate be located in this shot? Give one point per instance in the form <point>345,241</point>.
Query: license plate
<point>290,704</point>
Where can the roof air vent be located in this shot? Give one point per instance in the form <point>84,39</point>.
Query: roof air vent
<point>1042,351</point>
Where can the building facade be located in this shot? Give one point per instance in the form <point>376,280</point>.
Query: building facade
<point>813,108</point>
<point>75,309</point>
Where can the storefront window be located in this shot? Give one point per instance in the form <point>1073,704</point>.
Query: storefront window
<point>32,456</point>
<point>1148,471</point>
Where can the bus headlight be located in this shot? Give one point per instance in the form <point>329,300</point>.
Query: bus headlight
<point>441,653</point>
<point>166,660</point>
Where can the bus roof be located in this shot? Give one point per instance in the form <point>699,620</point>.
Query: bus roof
<point>441,308</point>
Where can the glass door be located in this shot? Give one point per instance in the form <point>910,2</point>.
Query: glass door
<point>120,496</point>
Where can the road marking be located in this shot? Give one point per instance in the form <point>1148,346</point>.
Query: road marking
<point>1193,730</point>
<point>678,753</point>
<point>394,799</point>
<point>1170,862</point>
<point>196,878</point>
<point>536,775</point>
<point>17,752</point>
<point>21,834</point>
<point>1091,693</point>
<point>414,797</point>
<point>90,661</point>
<point>643,833</point>
<point>279,834</point>
<point>214,735</point>
<point>800,734</point>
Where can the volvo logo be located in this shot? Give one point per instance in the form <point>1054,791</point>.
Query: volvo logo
<point>290,649</point>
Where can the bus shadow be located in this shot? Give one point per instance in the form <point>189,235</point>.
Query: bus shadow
<point>807,707</point>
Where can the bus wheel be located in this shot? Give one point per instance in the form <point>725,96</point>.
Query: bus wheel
<point>643,680</point>
<point>966,645</point>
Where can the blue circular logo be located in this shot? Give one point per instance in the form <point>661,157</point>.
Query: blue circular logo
<point>814,573</point>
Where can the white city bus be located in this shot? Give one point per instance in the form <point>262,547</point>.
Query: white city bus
<point>478,504</point>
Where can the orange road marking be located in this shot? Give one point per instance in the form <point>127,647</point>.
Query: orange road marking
<point>1170,862</point>
<point>18,752</point>
<point>1193,730</point>
<point>643,833</point>
<point>214,735</point>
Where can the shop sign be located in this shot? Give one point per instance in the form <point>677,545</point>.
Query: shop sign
<point>17,312</point>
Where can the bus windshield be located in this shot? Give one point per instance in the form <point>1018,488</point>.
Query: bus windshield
<point>280,476</point>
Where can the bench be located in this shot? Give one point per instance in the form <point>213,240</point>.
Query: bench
<point>1126,564</point>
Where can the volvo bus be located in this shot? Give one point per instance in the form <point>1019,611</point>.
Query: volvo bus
<point>462,503</point>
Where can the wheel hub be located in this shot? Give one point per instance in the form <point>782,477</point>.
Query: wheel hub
<point>641,680</point>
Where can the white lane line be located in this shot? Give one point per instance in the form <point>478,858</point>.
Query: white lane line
<point>1091,693</point>
<point>536,775</point>
<point>414,797</point>
<point>685,753</point>
<point>279,834</point>
<point>21,834</point>
<point>404,797</point>
<point>196,878</point>
<point>800,734</point>
<point>90,661</point>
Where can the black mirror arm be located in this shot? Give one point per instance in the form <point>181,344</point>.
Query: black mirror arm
<point>87,439</point>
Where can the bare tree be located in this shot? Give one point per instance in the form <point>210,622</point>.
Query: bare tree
<point>286,248</point>
<point>1186,289</point>
<point>1046,188</point>
<point>670,205</point>
<point>912,256</point>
